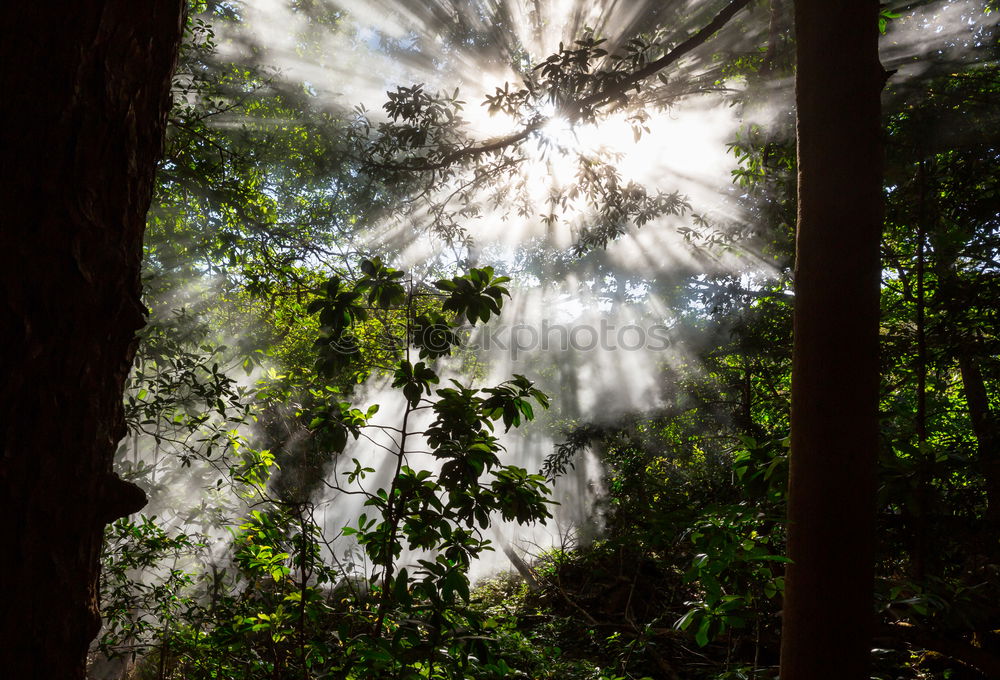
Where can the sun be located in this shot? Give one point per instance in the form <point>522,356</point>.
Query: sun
<point>560,133</point>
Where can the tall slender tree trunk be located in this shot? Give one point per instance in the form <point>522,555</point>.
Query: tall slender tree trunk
<point>925,459</point>
<point>827,617</point>
<point>986,427</point>
<point>86,89</point>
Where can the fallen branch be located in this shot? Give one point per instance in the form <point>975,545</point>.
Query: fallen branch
<point>959,650</point>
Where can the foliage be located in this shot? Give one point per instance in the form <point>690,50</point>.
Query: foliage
<point>274,318</point>
<point>409,618</point>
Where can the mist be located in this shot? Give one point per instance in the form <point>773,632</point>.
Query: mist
<point>604,331</point>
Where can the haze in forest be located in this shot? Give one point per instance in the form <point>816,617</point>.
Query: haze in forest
<point>365,49</point>
<point>664,346</point>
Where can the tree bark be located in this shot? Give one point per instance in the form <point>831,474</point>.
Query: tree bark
<point>986,427</point>
<point>87,90</point>
<point>827,617</point>
<point>922,500</point>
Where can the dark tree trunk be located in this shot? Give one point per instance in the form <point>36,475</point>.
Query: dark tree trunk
<point>86,89</point>
<point>986,427</point>
<point>827,617</point>
<point>923,496</point>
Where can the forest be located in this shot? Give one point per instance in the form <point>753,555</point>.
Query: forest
<point>568,340</point>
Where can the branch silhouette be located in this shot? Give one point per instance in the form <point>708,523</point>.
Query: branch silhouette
<point>615,90</point>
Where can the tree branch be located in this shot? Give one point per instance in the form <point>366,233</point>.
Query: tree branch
<point>959,650</point>
<point>613,91</point>
<point>621,87</point>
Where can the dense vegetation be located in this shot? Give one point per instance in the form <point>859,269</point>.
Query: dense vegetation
<point>325,453</point>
